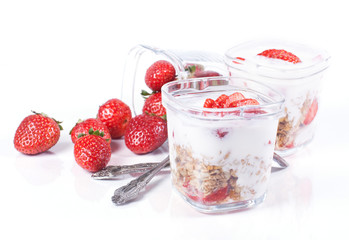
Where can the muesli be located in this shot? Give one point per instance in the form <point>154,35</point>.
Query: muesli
<point>228,181</point>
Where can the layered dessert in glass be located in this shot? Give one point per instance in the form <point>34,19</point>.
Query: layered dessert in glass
<point>294,70</point>
<point>221,154</point>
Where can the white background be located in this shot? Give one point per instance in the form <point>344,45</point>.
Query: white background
<point>65,58</point>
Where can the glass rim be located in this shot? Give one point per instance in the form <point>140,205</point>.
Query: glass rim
<point>318,63</point>
<point>172,89</point>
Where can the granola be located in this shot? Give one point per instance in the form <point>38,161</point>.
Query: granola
<point>289,129</point>
<point>211,184</point>
<point>284,132</point>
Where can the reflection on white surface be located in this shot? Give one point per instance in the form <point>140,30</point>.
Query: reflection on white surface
<point>41,169</point>
<point>87,188</point>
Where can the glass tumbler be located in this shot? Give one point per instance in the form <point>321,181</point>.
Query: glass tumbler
<point>221,157</point>
<point>187,63</point>
<point>299,82</point>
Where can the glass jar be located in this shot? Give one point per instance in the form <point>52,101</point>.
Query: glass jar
<point>221,157</point>
<point>299,82</point>
<point>187,64</point>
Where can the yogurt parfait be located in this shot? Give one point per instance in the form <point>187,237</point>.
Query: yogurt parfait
<point>294,70</point>
<point>221,138</point>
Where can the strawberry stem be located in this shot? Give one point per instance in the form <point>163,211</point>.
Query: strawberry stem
<point>191,68</point>
<point>45,115</point>
<point>97,132</point>
<point>146,94</point>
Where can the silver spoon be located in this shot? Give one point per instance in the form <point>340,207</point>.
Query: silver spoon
<point>131,190</point>
<point>114,171</point>
<point>280,160</point>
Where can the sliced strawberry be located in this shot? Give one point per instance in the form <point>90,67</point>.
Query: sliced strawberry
<point>221,132</point>
<point>234,97</point>
<point>244,102</point>
<point>210,103</point>
<point>216,196</point>
<point>290,145</point>
<point>311,112</point>
<point>232,101</point>
<point>206,73</point>
<point>254,111</point>
<point>190,192</point>
<point>239,59</point>
<point>220,101</point>
<point>280,54</point>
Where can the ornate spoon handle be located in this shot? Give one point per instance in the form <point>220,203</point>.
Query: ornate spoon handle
<point>112,172</point>
<point>131,190</point>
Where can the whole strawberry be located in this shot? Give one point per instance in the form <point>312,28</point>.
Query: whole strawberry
<point>92,152</point>
<point>83,127</point>
<point>158,74</point>
<point>206,73</point>
<point>37,133</point>
<point>115,114</point>
<point>280,54</point>
<point>198,71</point>
<point>153,105</point>
<point>145,133</point>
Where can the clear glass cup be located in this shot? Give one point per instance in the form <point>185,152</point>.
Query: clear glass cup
<point>300,84</point>
<point>221,158</point>
<point>141,57</point>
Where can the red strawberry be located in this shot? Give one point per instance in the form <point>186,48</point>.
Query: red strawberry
<point>238,60</point>
<point>92,152</point>
<point>153,105</point>
<point>206,73</point>
<point>37,133</point>
<point>234,100</point>
<point>145,133</point>
<point>234,97</point>
<point>210,103</point>
<point>221,132</point>
<point>83,127</point>
<point>280,54</point>
<point>116,115</point>
<point>197,71</point>
<point>311,112</point>
<point>158,74</point>
<point>243,102</point>
<point>220,101</point>
<point>216,196</point>
<point>194,67</point>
